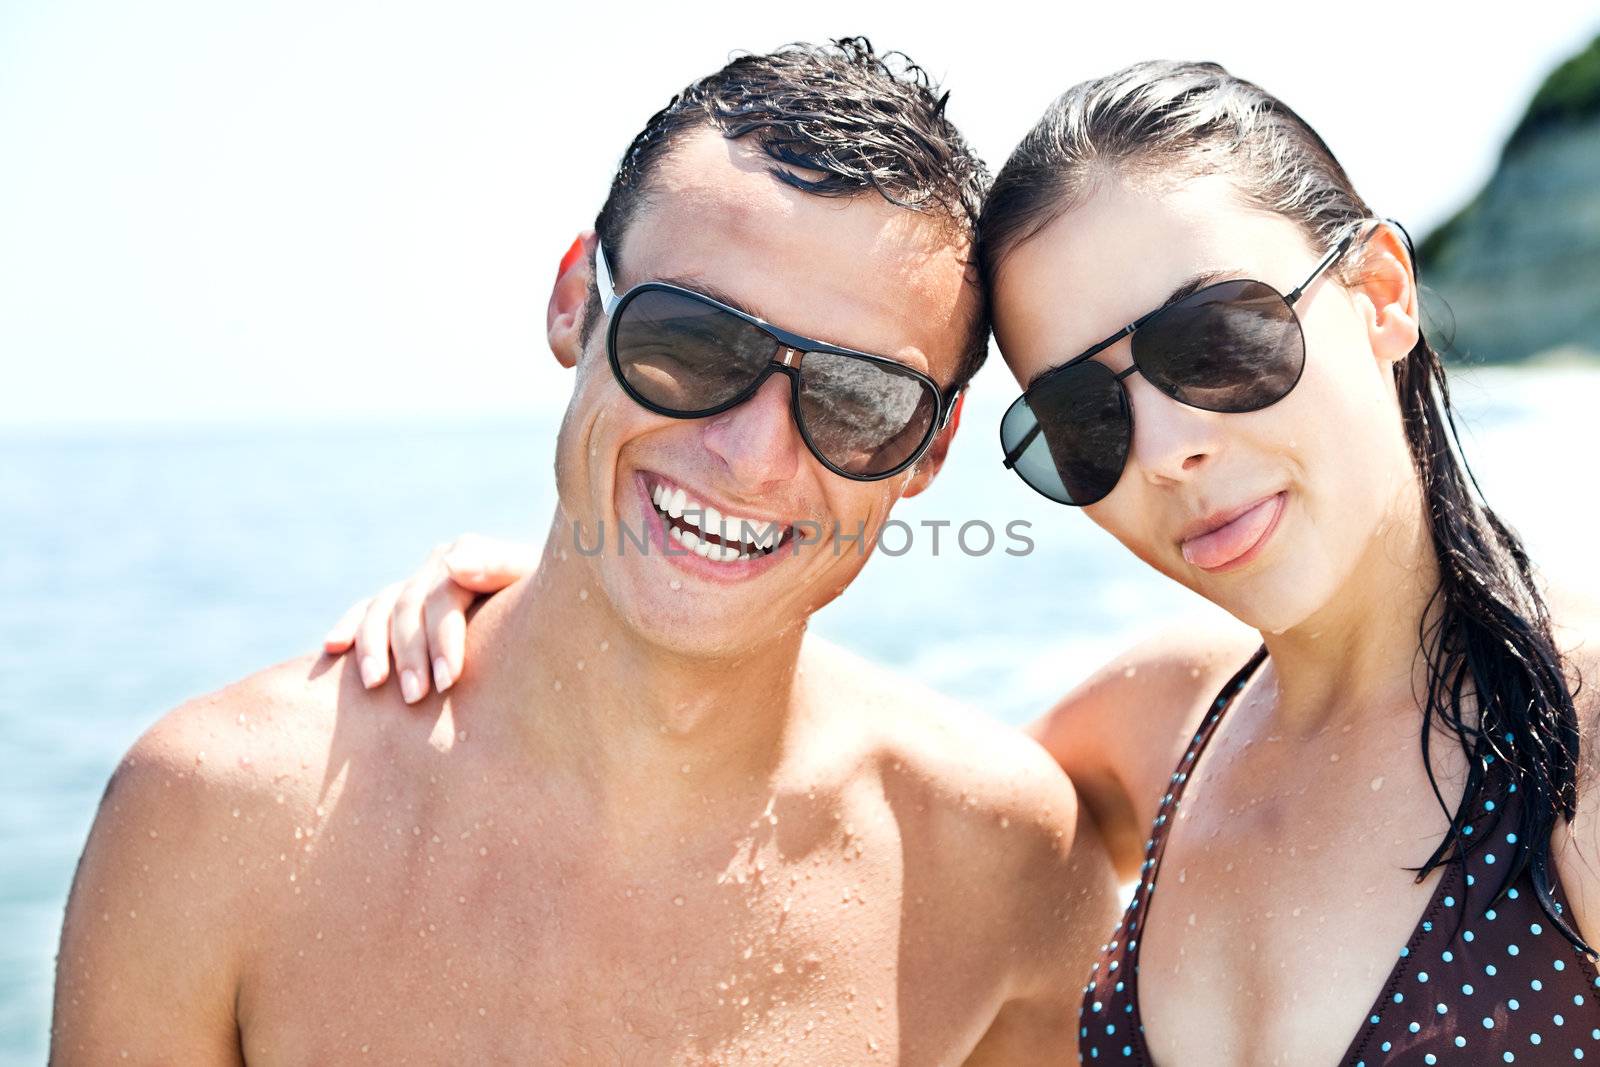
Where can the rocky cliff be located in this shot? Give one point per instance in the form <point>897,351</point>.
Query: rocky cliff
<point>1518,268</point>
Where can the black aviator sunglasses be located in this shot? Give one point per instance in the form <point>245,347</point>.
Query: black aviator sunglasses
<point>1234,346</point>
<point>683,354</point>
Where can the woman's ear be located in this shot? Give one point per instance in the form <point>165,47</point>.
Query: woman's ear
<point>569,298</point>
<point>1386,295</point>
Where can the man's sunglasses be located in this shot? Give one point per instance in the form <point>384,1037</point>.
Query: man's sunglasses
<point>1232,347</point>
<point>681,353</point>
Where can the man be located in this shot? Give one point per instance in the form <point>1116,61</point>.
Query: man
<point>655,824</point>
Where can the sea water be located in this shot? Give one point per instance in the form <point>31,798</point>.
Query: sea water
<point>139,567</point>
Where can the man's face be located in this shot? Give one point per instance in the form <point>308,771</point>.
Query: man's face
<point>860,273</point>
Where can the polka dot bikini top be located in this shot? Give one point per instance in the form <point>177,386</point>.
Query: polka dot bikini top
<point>1473,985</point>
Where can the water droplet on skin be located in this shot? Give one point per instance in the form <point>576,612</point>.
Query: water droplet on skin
<point>604,645</point>
<point>1004,822</point>
<point>674,585</point>
<point>241,718</point>
<point>684,768</point>
<point>580,664</point>
<point>1191,918</point>
<point>483,851</point>
<point>244,761</point>
<point>678,901</point>
<point>583,594</point>
<point>461,735</point>
<point>1377,783</point>
<point>1334,758</point>
<point>557,685</point>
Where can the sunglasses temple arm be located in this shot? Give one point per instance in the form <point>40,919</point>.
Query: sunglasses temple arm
<point>604,286</point>
<point>1022,446</point>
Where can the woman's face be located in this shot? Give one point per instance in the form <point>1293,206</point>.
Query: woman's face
<point>1267,513</point>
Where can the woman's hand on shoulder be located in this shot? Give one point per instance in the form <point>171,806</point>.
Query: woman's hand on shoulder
<point>422,619</point>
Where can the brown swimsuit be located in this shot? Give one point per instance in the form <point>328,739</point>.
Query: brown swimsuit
<point>1473,985</point>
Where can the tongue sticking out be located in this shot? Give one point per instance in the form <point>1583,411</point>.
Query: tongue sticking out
<point>1222,546</point>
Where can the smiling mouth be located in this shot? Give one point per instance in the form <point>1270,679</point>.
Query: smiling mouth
<point>712,534</point>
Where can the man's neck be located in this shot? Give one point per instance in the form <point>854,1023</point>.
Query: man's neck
<point>590,695</point>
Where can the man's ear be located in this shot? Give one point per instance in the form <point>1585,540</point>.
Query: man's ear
<point>1386,295</point>
<point>569,298</point>
<point>933,459</point>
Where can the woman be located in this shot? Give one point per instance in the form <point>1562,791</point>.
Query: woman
<point>1271,431</point>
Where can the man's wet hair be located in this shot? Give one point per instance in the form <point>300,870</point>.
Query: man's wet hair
<point>836,120</point>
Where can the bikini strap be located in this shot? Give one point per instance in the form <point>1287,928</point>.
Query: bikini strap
<point>1180,777</point>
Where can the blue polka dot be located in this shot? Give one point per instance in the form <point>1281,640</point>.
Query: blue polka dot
<point>1577,1000</point>
<point>1373,1020</point>
<point>1488,805</point>
<point>1537,985</point>
<point>1127,1050</point>
<point>1512,893</point>
<point>1561,965</point>
<point>1386,1047</point>
<point>1398,997</point>
<point>1422,976</point>
<point>1513,1004</point>
<point>1488,857</point>
<point>1467,936</point>
<point>1471,880</point>
<point>1448,956</point>
<point>1490,970</point>
<point>1449,902</point>
<point>1430,1058</point>
<point>1509,1058</point>
<point>1461,1042</point>
<point>1534,1039</point>
<point>1558,1020</point>
<point>1110,1029</point>
<point>1428,927</point>
<point>1536,929</point>
<point>1490,915</point>
<point>1512,950</point>
<point>1488,1023</point>
<point>1414,1027</point>
<point>1511,839</point>
<point>1440,1008</point>
<point>1467,831</point>
<point>1467,990</point>
<point>1405,952</point>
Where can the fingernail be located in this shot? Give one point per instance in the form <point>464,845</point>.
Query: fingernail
<point>371,671</point>
<point>441,674</point>
<point>410,687</point>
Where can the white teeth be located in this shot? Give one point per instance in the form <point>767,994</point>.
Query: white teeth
<point>741,538</point>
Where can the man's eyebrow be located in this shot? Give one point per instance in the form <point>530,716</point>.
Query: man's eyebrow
<point>705,288</point>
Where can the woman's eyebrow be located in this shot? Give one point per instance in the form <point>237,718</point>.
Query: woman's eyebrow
<point>1194,285</point>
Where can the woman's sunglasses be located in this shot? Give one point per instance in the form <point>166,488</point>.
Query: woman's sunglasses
<point>1231,347</point>
<point>681,353</point>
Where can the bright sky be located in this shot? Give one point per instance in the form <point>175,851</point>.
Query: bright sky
<point>212,211</point>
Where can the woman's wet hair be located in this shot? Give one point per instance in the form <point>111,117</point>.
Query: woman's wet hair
<point>1496,680</point>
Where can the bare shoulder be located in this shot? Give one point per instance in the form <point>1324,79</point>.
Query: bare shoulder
<point>165,903</point>
<point>997,812</point>
<point>957,753</point>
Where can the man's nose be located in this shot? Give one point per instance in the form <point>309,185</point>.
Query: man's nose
<point>757,441</point>
<point>1172,442</point>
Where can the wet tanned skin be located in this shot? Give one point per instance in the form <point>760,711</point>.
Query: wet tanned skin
<point>654,823</point>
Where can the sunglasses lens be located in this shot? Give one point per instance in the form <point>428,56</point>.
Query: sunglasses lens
<point>1068,437</point>
<point>683,355</point>
<point>866,418</point>
<point>1231,347</point>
